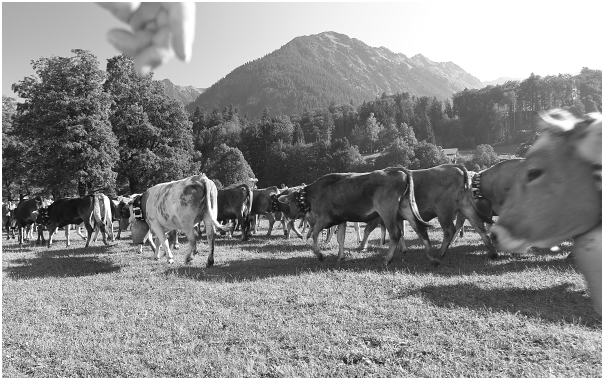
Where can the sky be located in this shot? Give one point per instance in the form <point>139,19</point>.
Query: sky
<point>488,39</point>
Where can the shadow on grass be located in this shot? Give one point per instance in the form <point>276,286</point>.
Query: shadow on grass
<point>557,303</point>
<point>69,262</point>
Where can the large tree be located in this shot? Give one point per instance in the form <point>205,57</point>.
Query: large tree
<point>228,165</point>
<point>64,121</point>
<point>154,132</point>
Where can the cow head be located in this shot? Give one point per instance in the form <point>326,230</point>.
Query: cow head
<point>43,216</point>
<point>296,199</point>
<point>124,210</point>
<point>558,194</point>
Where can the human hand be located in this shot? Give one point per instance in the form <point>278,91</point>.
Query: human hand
<point>159,30</point>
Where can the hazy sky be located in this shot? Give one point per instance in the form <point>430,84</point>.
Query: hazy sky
<point>488,39</point>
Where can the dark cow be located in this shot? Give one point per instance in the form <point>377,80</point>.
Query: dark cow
<point>123,212</point>
<point>558,195</point>
<point>443,192</point>
<point>337,198</point>
<point>180,205</point>
<point>28,213</point>
<point>236,203</point>
<point>265,203</point>
<point>90,209</point>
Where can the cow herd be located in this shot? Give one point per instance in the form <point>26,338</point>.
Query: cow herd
<point>552,195</point>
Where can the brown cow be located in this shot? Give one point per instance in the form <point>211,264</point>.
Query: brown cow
<point>264,203</point>
<point>337,198</point>
<point>236,203</point>
<point>289,215</point>
<point>558,195</point>
<point>443,192</point>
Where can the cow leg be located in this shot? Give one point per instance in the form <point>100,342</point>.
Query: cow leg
<point>421,231</point>
<point>341,240</point>
<point>271,223</point>
<point>449,232</point>
<point>67,235</point>
<point>356,230</point>
<point>210,235</point>
<point>292,226</point>
<point>173,239</point>
<point>51,231</point>
<point>459,222</point>
<point>390,221</point>
<point>315,241</point>
<point>90,230</point>
<point>242,221</point>
<point>479,226</point>
<point>369,227</point>
<point>21,233</point>
<point>330,232</point>
<point>192,239</point>
<point>160,235</point>
<point>77,227</point>
<point>40,235</point>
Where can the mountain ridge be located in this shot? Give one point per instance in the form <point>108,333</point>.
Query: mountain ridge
<point>313,71</point>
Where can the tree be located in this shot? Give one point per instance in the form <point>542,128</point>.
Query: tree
<point>227,165</point>
<point>65,123</point>
<point>485,156</point>
<point>429,155</point>
<point>154,132</point>
<point>399,153</point>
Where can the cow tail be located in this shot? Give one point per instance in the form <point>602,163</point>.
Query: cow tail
<point>250,196</point>
<point>96,216</point>
<point>212,208</point>
<point>412,198</point>
<point>467,191</point>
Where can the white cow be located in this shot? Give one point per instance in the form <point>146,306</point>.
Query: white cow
<point>180,205</point>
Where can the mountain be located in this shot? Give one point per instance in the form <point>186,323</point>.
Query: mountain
<point>500,80</point>
<point>186,94</point>
<point>313,71</point>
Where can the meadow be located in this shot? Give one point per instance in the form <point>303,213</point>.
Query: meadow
<point>268,308</point>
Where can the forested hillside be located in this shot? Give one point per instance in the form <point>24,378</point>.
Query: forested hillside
<point>80,125</point>
<point>312,71</point>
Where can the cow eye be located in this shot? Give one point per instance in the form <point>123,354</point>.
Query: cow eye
<point>534,174</point>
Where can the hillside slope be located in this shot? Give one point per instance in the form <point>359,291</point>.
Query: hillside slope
<point>312,71</point>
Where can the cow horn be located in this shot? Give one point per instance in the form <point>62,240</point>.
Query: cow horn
<point>565,122</point>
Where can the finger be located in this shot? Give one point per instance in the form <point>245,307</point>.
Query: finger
<point>146,12</point>
<point>128,43</point>
<point>181,17</point>
<point>122,11</point>
<point>150,58</point>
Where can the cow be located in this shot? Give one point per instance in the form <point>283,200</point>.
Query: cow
<point>236,203</point>
<point>289,215</point>
<point>264,203</point>
<point>179,205</point>
<point>336,198</point>
<point>558,195</point>
<point>9,222</point>
<point>444,192</point>
<point>91,209</point>
<point>27,214</point>
<point>491,186</point>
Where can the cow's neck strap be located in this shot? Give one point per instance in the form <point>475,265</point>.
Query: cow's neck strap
<point>302,200</point>
<point>476,186</point>
<point>275,202</point>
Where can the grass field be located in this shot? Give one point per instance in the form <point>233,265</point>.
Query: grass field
<point>268,308</point>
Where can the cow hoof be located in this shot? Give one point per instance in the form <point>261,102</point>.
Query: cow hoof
<point>210,263</point>
<point>320,256</point>
<point>170,261</point>
<point>493,255</point>
<point>434,262</point>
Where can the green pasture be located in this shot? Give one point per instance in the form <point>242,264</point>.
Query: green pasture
<point>268,308</point>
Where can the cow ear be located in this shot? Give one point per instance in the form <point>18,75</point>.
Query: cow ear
<point>285,198</point>
<point>588,140</point>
